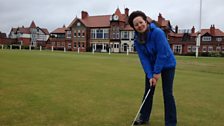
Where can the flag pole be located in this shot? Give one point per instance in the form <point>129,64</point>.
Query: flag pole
<point>198,42</point>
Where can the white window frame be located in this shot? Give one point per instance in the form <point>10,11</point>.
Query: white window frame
<point>206,38</point>
<point>219,39</point>
<point>204,49</point>
<point>210,48</point>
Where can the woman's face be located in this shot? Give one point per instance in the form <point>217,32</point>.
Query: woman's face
<point>140,24</point>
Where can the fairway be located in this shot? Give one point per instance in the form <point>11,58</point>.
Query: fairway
<point>44,88</point>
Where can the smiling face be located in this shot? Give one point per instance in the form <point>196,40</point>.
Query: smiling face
<point>140,24</point>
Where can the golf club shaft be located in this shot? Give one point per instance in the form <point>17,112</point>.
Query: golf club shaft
<point>141,106</point>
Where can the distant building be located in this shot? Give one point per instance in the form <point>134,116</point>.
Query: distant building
<point>57,39</point>
<point>100,33</point>
<point>184,41</point>
<point>6,41</point>
<point>32,35</point>
<point>2,35</point>
<point>112,32</point>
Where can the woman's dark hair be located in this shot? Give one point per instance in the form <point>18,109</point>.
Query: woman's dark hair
<point>135,14</point>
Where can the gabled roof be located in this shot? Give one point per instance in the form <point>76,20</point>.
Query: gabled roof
<point>97,21</point>
<point>118,12</point>
<point>59,30</point>
<point>177,35</point>
<point>217,32</point>
<point>93,21</point>
<point>32,25</point>
<point>23,30</point>
<point>45,31</point>
<point>26,30</point>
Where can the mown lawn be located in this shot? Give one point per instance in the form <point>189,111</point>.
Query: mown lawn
<point>69,89</point>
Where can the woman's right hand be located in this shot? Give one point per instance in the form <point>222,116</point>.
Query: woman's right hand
<point>152,82</point>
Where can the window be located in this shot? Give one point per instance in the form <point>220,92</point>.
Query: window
<point>218,39</point>
<point>83,45</point>
<point>83,33</point>
<point>210,48</point>
<point>99,33</point>
<point>78,24</point>
<point>193,48</point>
<point>206,38</point>
<point>79,33</point>
<point>177,49</point>
<point>218,48</point>
<point>188,48</point>
<point>116,45</point>
<point>204,49</point>
<point>118,35</point>
<point>106,33</point>
<point>93,33</point>
<point>124,35</point>
<point>132,34</point>
<point>114,35</point>
<point>68,34</point>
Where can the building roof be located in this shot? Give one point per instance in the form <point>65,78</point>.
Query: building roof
<point>32,25</point>
<point>2,35</point>
<point>26,30</point>
<point>217,32</point>
<point>23,30</point>
<point>97,21</point>
<point>59,30</point>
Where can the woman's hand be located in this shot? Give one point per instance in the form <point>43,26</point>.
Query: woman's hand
<point>152,82</point>
<point>156,76</point>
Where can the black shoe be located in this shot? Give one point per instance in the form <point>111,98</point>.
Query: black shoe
<point>140,122</point>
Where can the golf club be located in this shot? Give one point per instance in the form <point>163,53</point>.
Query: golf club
<point>141,107</point>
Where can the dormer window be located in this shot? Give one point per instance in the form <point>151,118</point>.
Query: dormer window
<point>206,38</point>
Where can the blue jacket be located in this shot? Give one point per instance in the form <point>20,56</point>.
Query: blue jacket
<point>156,54</point>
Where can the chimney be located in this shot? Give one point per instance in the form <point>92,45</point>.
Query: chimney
<point>176,29</point>
<point>84,14</point>
<point>160,19</point>
<point>212,29</point>
<point>126,11</point>
<point>193,30</point>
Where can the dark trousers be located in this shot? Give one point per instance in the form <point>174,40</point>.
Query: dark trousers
<point>167,76</point>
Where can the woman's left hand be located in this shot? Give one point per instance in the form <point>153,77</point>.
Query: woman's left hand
<point>156,76</point>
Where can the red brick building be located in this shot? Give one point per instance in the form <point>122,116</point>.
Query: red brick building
<point>57,39</point>
<point>184,41</point>
<point>6,41</point>
<point>112,32</point>
<point>100,33</point>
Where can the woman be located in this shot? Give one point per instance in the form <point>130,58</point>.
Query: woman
<point>157,60</point>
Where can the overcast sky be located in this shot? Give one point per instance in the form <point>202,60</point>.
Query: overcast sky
<point>52,14</point>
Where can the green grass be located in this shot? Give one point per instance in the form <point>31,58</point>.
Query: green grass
<point>69,89</point>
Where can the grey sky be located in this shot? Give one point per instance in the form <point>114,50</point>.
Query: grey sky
<point>52,14</point>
